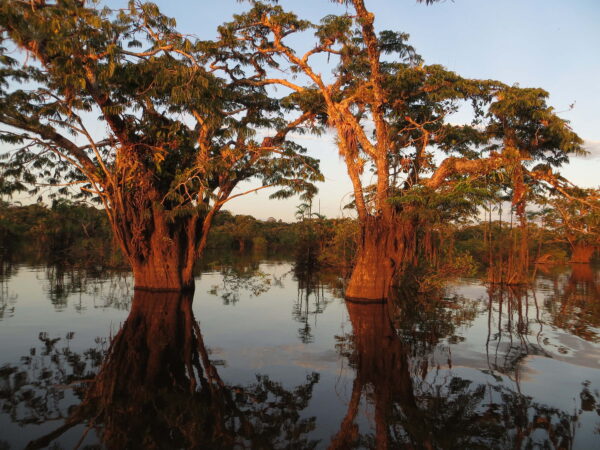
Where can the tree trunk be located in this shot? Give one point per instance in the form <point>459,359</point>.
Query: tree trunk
<point>582,253</point>
<point>162,251</point>
<point>385,246</point>
<point>518,270</point>
<point>162,269</point>
<point>582,273</point>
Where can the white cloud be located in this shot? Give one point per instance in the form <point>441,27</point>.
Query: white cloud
<point>593,147</point>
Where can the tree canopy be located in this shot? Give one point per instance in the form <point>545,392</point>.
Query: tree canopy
<point>185,121</point>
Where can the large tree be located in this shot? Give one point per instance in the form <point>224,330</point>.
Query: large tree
<point>122,106</point>
<point>389,112</point>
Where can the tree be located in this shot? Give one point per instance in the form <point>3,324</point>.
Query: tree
<point>527,131</point>
<point>388,110</point>
<point>152,133</point>
<point>576,220</point>
<point>242,229</point>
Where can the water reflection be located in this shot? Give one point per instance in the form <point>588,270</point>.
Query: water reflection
<point>421,406</point>
<point>34,391</point>
<point>472,367</point>
<point>239,277</point>
<point>108,288</point>
<point>158,387</point>
<point>312,298</point>
<point>514,329</point>
<point>575,303</point>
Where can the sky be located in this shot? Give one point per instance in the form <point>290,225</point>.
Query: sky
<point>552,44</point>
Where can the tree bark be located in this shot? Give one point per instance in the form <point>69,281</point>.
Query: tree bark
<point>162,251</point>
<point>518,270</point>
<point>385,246</point>
<point>162,270</point>
<point>582,253</point>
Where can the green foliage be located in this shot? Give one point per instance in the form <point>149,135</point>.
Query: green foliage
<point>575,219</point>
<point>391,113</point>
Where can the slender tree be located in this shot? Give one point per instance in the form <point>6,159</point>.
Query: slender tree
<point>533,141</point>
<point>121,105</point>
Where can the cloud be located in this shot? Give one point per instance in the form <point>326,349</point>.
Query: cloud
<point>593,147</point>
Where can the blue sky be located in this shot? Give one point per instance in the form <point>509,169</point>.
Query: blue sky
<point>553,44</point>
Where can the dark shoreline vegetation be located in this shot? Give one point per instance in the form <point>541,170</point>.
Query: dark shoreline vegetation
<point>75,234</point>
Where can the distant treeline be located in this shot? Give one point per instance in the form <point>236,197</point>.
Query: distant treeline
<point>72,231</point>
<point>65,231</point>
<point>69,232</point>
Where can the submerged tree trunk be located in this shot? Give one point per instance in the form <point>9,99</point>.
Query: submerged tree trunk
<point>518,268</point>
<point>582,253</point>
<point>162,267</point>
<point>161,249</point>
<point>384,248</point>
<point>517,271</point>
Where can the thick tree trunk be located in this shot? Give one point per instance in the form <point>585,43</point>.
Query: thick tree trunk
<point>165,265</point>
<point>162,251</point>
<point>582,253</point>
<point>162,270</point>
<point>582,273</point>
<point>383,249</point>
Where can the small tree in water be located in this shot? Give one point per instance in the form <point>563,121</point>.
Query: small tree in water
<point>172,140</point>
<point>575,219</point>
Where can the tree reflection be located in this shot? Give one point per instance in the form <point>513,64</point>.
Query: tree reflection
<point>311,299</point>
<point>108,288</point>
<point>34,392</point>
<point>513,313</point>
<point>239,276</point>
<point>7,299</point>
<point>575,303</point>
<point>421,405</point>
<point>158,387</point>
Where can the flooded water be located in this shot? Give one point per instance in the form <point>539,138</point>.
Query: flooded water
<point>266,357</point>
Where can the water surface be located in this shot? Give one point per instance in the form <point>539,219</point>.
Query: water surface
<point>280,360</point>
